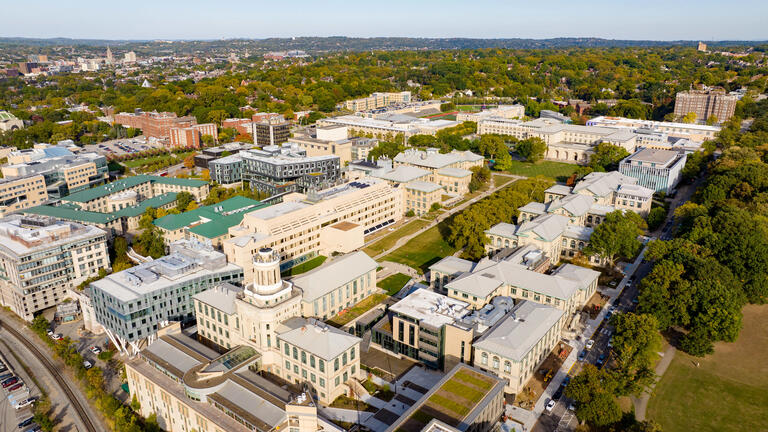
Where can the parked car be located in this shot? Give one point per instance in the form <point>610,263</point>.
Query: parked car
<point>566,380</point>
<point>23,403</point>
<point>558,393</point>
<point>10,381</point>
<point>550,405</point>
<point>600,361</point>
<point>5,376</point>
<point>572,406</point>
<point>590,344</point>
<point>34,428</point>
<point>50,333</point>
<point>96,350</point>
<point>57,337</point>
<point>16,387</point>
<point>582,355</point>
<point>87,364</point>
<point>27,422</point>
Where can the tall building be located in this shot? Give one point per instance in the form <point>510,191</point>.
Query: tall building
<point>705,104</point>
<point>658,170</point>
<point>130,57</point>
<point>270,131</point>
<point>132,305</point>
<point>42,257</point>
<point>191,136</point>
<point>110,58</point>
<point>154,124</point>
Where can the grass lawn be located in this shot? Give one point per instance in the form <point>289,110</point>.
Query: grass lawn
<point>393,284</point>
<point>349,403</point>
<point>560,171</point>
<point>305,266</point>
<point>501,181</point>
<point>357,310</point>
<point>154,159</point>
<point>389,240</point>
<point>727,392</point>
<point>423,250</point>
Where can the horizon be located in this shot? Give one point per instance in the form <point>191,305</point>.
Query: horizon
<point>656,20</point>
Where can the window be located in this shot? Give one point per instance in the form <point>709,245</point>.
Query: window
<point>321,364</point>
<point>344,359</point>
<point>484,358</point>
<point>411,335</point>
<point>287,349</point>
<point>495,362</point>
<point>352,354</point>
<point>304,357</point>
<point>295,353</point>
<point>336,364</point>
<point>287,365</point>
<point>312,361</point>
<point>336,381</point>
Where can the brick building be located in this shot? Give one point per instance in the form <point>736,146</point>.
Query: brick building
<point>154,124</point>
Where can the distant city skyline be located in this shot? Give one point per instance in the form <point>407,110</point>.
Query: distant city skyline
<point>174,19</point>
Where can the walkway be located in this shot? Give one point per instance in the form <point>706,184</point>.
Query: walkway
<point>493,188</point>
<point>641,403</point>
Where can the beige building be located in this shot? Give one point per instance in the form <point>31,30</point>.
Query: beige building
<point>388,126</point>
<point>303,227</point>
<point>420,196</point>
<point>705,104</point>
<point>377,100</point>
<point>9,122</point>
<point>266,316</point>
<point>21,193</point>
<point>502,111</point>
<point>515,347</point>
<point>41,258</point>
<point>190,387</point>
<point>329,140</point>
<point>565,142</point>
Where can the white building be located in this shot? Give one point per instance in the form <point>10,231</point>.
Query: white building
<point>658,170</point>
<point>42,257</point>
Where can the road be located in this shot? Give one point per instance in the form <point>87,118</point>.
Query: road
<point>68,397</point>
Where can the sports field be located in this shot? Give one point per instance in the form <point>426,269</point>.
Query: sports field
<point>727,392</point>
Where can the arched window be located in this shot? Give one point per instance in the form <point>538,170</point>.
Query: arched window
<point>484,358</point>
<point>581,245</point>
<point>507,367</point>
<point>495,362</point>
<point>506,243</point>
<point>589,218</point>
<point>565,242</point>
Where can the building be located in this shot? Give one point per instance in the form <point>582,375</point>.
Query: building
<point>554,115</point>
<point>479,404</point>
<point>129,57</point>
<point>41,258</point>
<point>658,170</point>
<point>276,170</point>
<point>9,122</point>
<point>451,170</point>
<point>206,224</point>
<point>64,172</point>
<point>226,170</point>
<point>191,136</point>
<point>154,124</point>
<point>134,304</point>
<point>270,131</point>
<point>701,47</point>
<point>502,111</point>
<point>388,126</point>
<point>705,104</point>
<point>324,141</point>
<point>130,191</point>
<point>305,226</point>
<point>21,193</point>
<point>377,100</point>
<point>515,347</point>
<point>607,189</point>
<point>209,154</point>
<point>189,387</point>
<point>565,142</point>
<point>693,132</point>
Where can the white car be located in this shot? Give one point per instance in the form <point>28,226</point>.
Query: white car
<point>96,350</point>
<point>57,336</point>
<point>23,403</point>
<point>590,344</point>
<point>550,405</point>
<point>87,364</point>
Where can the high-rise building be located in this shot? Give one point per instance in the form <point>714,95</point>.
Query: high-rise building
<point>42,257</point>
<point>271,131</point>
<point>110,57</point>
<point>705,104</point>
<point>130,57</point>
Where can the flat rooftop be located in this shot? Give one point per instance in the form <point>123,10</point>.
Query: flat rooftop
<point>431,308</point>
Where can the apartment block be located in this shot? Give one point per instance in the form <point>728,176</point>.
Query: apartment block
<point>658,170</point>
<point>191,137</point>
<point>21,193</point>
<point>226,170</point>
<point>42,257</point>
<point>705,104</point>
<point>270,131</point>
<point>154,124</point>
<point>132,305</point>
<point>304,226</point>
<point>325,141</point>
<point>377,100</point>
<point>280,169</point>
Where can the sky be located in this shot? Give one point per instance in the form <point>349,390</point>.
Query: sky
<point>537,19</point>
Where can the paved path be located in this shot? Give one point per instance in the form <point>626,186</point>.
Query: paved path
<point>403,240</point>
<point>641,403</point>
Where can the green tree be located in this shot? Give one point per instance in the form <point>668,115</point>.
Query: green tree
<point>656,217</point>
<point>617,236</point>
<point>448,107</point>
<point>183,199</point>
<point>636,340</point>
<point>689,118</point>
<point>607,157</point>
<point>712,120</point>
<point>532,149</point>
<point>592,391</point>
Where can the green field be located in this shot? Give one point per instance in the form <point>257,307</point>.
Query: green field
<point>423,250</point>
<point>726,392</point>
<point>389,240</point>
<point>305,266</point>
<point>560,171</point>
<point>154,159</point>
<point>393,284</point>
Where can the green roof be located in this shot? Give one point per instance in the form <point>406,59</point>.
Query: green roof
<point>126,183</point>
<point>71,214</point>
<point>217,218</point>
<point>153,202</point>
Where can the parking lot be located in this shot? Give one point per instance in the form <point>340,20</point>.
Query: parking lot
<point>122,146</point>
<point>22,389</point>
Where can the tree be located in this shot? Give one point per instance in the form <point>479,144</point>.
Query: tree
<point>448,107</point>
<point>435,206</point>
<point>532,149</point>
<point>189,161</point>
<point>145,222</point>
<point>712,120</point>
<point>207,140</point>
<point>656,217</point>
<point>183,199</point>
<point>607,157</point>
<point>592,390</point>
<point>480,176</point>
<point>617,236</point>
<point>689,118</point>
<point>636,339</point>
<point>205,175</point>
